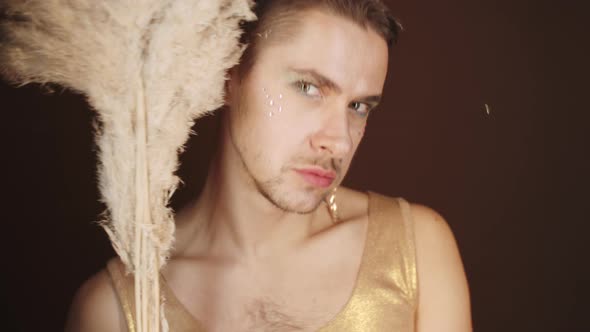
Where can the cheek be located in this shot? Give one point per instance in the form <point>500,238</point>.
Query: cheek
<point>266,127</point>
<point>269,108</point>
<point>273,102</point>
<point>356,134</point>
<point>279,121</point>
<point>356,131</point>
<point>279,117</point>
<point>359,131</point>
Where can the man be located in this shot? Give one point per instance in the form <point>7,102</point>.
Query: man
<point>270,244</point>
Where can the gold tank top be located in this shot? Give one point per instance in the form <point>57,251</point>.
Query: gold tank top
<point>384,298</point>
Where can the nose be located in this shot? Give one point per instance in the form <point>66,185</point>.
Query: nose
<point>333,136</point>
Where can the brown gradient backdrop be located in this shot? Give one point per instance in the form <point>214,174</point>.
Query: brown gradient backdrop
<point>512,184</point>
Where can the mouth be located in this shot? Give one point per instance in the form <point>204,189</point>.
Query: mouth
<point>317,177</point>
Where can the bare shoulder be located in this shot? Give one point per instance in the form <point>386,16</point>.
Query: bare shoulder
<point>443,291</point>
<point>352,204</point>
<point>431,229</point>
<point>95,307</point>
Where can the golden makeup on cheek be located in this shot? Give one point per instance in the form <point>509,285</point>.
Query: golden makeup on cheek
<point>273,103</point>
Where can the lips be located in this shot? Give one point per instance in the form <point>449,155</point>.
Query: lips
<point>317,177</point>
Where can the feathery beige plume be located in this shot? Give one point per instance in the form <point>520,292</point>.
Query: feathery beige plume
<point>149,68</point>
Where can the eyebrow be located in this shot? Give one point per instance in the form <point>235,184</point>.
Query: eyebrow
<point>373,100</point>
<point>324,81</point>
<point>321,79</point>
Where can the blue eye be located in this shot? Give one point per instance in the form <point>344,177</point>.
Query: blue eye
<point>361,109</point>
<point>308,89</point>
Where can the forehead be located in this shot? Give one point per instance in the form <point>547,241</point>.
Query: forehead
<point>353,56</point>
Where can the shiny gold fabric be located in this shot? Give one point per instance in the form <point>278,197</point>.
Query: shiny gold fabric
<point>383,300</point>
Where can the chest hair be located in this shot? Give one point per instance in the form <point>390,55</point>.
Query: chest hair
<point>269,316</point>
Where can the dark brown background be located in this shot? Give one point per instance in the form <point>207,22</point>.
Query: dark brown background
<point>513,184</point>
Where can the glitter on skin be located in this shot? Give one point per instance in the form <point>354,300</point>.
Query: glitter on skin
<point>276,107</point>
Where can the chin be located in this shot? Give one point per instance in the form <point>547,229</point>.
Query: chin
<point>301,206</point>
<point>293,200</point>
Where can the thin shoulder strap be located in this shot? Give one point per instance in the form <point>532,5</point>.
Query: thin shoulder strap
<point>393,229</point>
<point>411,247</point>
<point>178,317</point>
<point>124,287</point>
<point>384,298</point>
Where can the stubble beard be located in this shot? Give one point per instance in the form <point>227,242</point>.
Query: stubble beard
<point>301,201</point>
<point>276,190</point>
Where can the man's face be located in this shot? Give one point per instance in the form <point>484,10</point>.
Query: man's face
<point>298,116</point>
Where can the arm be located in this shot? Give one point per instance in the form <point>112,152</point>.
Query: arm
<point>443,300</point>
<point>95,307</point>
